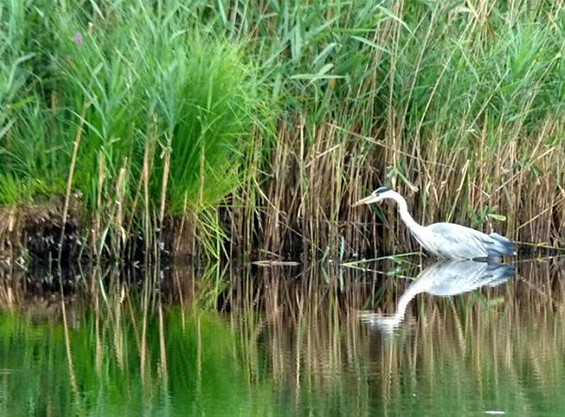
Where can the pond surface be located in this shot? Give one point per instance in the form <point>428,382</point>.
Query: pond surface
<point>460,340</point>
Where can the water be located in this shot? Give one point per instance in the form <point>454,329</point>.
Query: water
<point>280,341</point>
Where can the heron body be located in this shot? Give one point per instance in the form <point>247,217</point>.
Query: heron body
<point>446,240</point>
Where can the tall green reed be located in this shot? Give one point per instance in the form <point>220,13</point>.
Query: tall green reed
<point>168,110</point>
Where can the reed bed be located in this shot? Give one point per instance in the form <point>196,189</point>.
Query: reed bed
<point>259,123</point>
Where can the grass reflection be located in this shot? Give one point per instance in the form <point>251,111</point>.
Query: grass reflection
<point>124,358</point>
<point>495,349</point>
<point>286,341</point>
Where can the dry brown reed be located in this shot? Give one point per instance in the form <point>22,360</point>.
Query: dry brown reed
<point>70,179</point>
<point>314,183</point>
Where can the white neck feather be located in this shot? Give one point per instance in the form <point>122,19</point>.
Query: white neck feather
<point>404,214</point>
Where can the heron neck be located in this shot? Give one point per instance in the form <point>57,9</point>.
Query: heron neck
<point>420,285</point>
<point>405,215</point>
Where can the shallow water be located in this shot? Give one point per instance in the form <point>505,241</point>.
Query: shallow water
<point>321,341</point>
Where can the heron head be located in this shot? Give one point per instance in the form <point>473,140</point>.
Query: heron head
<point>379,194</point>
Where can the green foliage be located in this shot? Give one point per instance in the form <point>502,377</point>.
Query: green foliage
<point>107,373</point>
<point>179,105</point>
<point>160,107</point>
<point>149,81</point>
<point>11,189</point>
<point>501,69</point>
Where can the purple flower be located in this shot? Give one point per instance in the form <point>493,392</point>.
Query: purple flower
<point>78,38</point>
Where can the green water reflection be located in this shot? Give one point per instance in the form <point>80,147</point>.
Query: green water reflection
<point>277,344</point>
<point>112,371</point>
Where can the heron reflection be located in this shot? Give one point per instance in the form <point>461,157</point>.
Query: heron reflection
<point>446,278</point>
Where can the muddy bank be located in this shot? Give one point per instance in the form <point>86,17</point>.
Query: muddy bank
<point>39,237</point>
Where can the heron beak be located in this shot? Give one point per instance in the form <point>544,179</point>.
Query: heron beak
<point>367,200</point>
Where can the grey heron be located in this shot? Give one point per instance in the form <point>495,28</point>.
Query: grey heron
<point>446,240</point>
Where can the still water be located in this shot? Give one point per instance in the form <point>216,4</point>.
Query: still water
<point>460,340</point>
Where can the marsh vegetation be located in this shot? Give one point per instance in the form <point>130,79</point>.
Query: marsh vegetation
<point>248,128</point>
<point>176,224</point>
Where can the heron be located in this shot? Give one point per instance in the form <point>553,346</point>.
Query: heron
<point>446,240</point>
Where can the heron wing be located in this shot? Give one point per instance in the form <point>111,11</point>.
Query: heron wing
<point>459,242</point>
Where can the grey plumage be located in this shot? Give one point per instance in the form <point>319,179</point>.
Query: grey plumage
<point>447,240</point>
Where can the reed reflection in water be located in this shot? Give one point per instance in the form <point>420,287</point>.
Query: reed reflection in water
<point>288,341</point>
<point>497,348</point>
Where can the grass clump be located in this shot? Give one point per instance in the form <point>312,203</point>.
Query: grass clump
<point>145,111</point>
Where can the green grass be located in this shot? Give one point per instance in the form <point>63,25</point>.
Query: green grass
<point>163,108</point>
<point>291,109</point>
<point>154,83</point>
